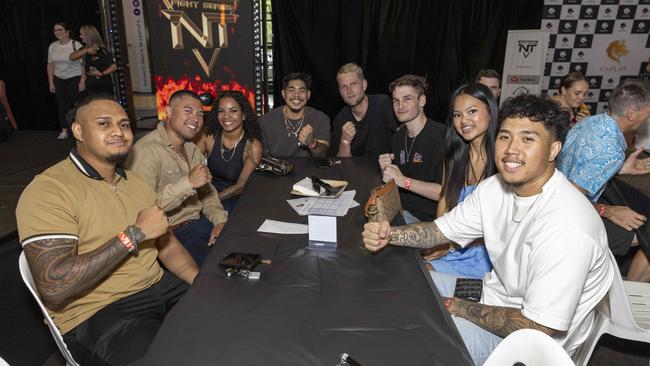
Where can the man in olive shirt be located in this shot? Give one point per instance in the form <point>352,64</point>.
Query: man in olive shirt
<point>174,167</point>
<point>88,230</point>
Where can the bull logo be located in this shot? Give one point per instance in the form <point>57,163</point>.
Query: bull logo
<point>616,50</point>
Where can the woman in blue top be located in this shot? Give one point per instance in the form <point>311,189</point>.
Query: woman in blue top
<point>231,139</point>
<point>468,159</point>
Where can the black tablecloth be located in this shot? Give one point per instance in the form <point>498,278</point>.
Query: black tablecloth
<point>308,306</point>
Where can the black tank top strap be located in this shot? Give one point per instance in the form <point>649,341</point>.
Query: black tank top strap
<point>226,164</point>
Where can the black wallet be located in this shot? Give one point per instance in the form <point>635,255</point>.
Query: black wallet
<point>240,261</point>
<point>469,289</point>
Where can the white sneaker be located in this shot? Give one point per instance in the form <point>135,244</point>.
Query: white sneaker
<point>63,135</point>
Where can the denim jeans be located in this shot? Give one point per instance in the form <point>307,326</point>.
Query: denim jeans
<point>479,342</point>
<point>195,236</point>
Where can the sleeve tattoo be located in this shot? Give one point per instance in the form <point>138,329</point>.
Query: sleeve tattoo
<point>61,274</point>
<point>422,235</point>
<point>496,319</point>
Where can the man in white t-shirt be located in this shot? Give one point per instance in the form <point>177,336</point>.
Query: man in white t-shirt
<point>547,244</point>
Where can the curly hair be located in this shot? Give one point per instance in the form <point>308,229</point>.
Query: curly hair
<point>538,109</point>
<point>250,124</point>
<point>456,150</point>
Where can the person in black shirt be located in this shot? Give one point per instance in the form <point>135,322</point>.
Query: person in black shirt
<point>364,126</point>
<point>417,149</point>
<point>97,62</point>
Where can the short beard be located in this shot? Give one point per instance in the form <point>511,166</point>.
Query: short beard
<point>358,101</point>
<point>118,159</point>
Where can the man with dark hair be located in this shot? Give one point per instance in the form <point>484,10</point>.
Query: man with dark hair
<point>295,129</point>
<point>547,244</point>
<point>595,152</point>
<point>415,161</point>
<point>175,168</point>
<point>88,228</point>
<point>491,79</point>
<point>364,126</point>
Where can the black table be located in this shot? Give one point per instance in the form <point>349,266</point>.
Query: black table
<point>308,306</point>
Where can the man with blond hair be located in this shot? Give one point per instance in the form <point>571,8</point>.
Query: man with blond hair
<point>365,124</point>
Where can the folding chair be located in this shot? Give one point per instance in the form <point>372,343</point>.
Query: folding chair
<point>26,274</point>
<point>529,347</point>
<point>623,313</point>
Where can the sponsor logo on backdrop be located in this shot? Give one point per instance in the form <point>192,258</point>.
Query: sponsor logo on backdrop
<point>641,26</point>
<point>604,27</point>
<point>595,82</point>
<point>589,12</point>
<point>552,11</point>
<point>586,27</point>
<point>562,55</point>
<point>221,14</point>
<point>527,47</point>
<point>626,12</point>
<point>565,41</point>
<point>616,50</point>
<point>622,26</point>
<point>580,67</point>
<point>583,41</point>
<point>571,12</point>
<point>555,82</point>
<point>523,79</point>
<point>567,26</point>
<point>520,90</point>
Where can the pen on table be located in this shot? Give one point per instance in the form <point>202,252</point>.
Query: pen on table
<point>351,361</point>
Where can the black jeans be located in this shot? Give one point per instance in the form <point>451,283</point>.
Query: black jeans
<point>122,332</point>
<point>67,94</point>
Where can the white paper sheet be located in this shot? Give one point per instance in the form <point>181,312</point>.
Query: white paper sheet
<point>324,206</point>
<point>279,227</point>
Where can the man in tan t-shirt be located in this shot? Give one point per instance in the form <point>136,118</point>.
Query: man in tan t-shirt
<point>88,229</point>
<point>174,167</point>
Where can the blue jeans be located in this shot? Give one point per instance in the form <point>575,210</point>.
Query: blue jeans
<point>195,236</point>
<point>479,342</point>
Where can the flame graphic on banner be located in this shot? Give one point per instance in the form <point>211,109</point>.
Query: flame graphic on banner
<point>167,85</point>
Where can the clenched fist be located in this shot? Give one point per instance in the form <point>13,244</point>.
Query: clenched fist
<point>376,235</point>
<point>348,131</point>
<point>306,135</point>
<point>153,222</point>
<point>385,160</point>
<point>199,176</point>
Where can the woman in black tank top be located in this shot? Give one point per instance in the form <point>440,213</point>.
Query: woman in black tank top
<point>231,139</point>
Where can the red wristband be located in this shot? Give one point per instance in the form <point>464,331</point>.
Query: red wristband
<point>312,146</point>
<point>407,184</point>
<point>602,209</point>
<point>126,241</point>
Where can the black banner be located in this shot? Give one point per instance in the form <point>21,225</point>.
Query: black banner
<point>203,46</point>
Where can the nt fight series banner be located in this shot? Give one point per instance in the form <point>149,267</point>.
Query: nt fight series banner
<point>606,40</point>
<point>203,46</point>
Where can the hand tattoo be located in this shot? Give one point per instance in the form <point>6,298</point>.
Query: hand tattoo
<point>421,235</point>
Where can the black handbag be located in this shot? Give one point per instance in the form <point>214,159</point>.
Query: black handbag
<point>274,165</point>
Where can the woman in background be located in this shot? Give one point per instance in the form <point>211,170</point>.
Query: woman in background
<point>468,160</point>
<point>231,139</point>
<point>573,90</point>
<point>64,74</point>
<point>97,61</point>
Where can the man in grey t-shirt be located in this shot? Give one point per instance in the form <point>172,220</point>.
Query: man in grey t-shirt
<point>295,129</point>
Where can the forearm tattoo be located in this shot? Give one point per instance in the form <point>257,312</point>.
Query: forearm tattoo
<point>495,319</point>
<point>183,268</point>
<point>62,275</point>
<point>421,235</point>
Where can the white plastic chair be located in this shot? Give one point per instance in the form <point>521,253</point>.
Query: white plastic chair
<point>623,313</point>
<point>26,274</point>
<point>530,347</point>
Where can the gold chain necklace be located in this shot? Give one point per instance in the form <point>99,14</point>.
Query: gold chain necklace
<point>224,149</point>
